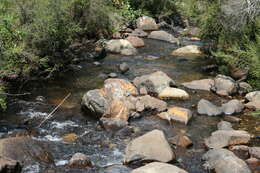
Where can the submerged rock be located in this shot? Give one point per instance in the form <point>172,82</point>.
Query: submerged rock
<point>224,85</point>
<point>173,93</point>
<point>224,161</point>
<point>80,160</point>
<point>120,46</point>
<point>224,138</point>
<point>157,167</point>
<point>163,36</point>
<point>135,41</point>
<point>25,150</point>
<point>203,84</point>
<point>254,100</point>
<point>153,146</point>
<point>9,166</point>
<point>207,108</point>
<point>154,83</point>
<point>146,23</point>
<point>187,50</point>
<point>232,107</point>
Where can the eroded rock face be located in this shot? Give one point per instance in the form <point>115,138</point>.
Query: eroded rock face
<point>224,161</point>
<point>153,146</point>
<point>120,46</point>
<point>207,108</point>
<point>203,84</point>
<point>173,93</point>
<point>157,167</point>
<point>187,50</point>
<point>224,138</point>
<point>146,23</point>
<point>163,36</point>
<point>224,85</point>
<point>25,150</point>
<point>254,100</point>
<point>80,160</point>
<point>9,166</point>
<point>135,41</point>
<point>232,107</point>
<point>154,83</point>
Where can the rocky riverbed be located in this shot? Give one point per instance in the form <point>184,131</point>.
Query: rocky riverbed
<point>156,111</point>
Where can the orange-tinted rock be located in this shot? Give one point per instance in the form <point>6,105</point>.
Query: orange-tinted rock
<point>71,137</point>
<point>180,140</point>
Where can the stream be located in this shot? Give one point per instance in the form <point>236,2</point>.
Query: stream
<point>70,130</point>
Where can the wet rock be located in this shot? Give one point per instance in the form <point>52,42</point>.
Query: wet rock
<point>80,160</point>
<point>163,36</point>
<point>117,169</point>
<point>224,125</point>
<point>207,108</point>
<point>138,33</point>
<point>157,167</point>
<point>203,84</point>
<point>187,50</point>
<point>224,85</point>
<point>232,107</point>
<point>71,137</point>
<point>179,114</point>
<point>9,166</point>
<point>254,152</point>
<point>254,100</point>
<point>135,41</point>
<point>123,68</point>
<point>152,146</point>
<point>240,151</point>
<point>112,75</point>
<point>146,23</point>
<point>150,103</point>
<point>224,138</point>
<point>232,119</point>
<point>25,150</point>
<point>154,83</point>
<point>113,123</point>
<point>224,161</point>
<point>173,93</point>
<point>244,88</point>
<point>180,140</point>
<point>95,101</point>
<point>253,164</point>
<point>120,46</point>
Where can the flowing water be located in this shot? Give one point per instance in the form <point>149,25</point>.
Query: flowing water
<point>71,131</point>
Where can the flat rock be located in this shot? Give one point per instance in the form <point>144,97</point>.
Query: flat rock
<point>179,114</point>
<point>157,167</point>
<point>224,125</point>
<point>187,50</point>
<point>224,161</point>
<point>254,152</point>
<point>153,146</point>
<point>154,83</point>
<point>224,138</point>
<point>232,107</point>
<point>146,23</point>
<point>80,160</point>
<point>120,46</point>
<point>254,100</point>
<point>173,93</point>
<point>163,36</point>
<point>207,108</point>
<point>224,85</point>
<point>135,41</point>
<point>203,84</point>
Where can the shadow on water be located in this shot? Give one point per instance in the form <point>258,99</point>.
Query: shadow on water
<point>69,131</point>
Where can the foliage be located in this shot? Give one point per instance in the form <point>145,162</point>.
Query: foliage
<point>2,99</point>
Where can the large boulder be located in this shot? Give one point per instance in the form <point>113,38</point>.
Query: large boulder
<point>224,85</point>
<point>157,167</point>
<point>146,23</point>
<point>163,36</point>
<point>154,83</point>
<point>207,108</point>
<point>187,50</point>
<point>224,161</point>
<point>254,100</point>
<point>173,93</point>
<point>203,84</point>
<point>120,46</point>
<point>153,146</point>
<point>224,138</point>
<point>9,166</point>
<point>232,107</point>
<point>25,150</point>
<point>135,41</point>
